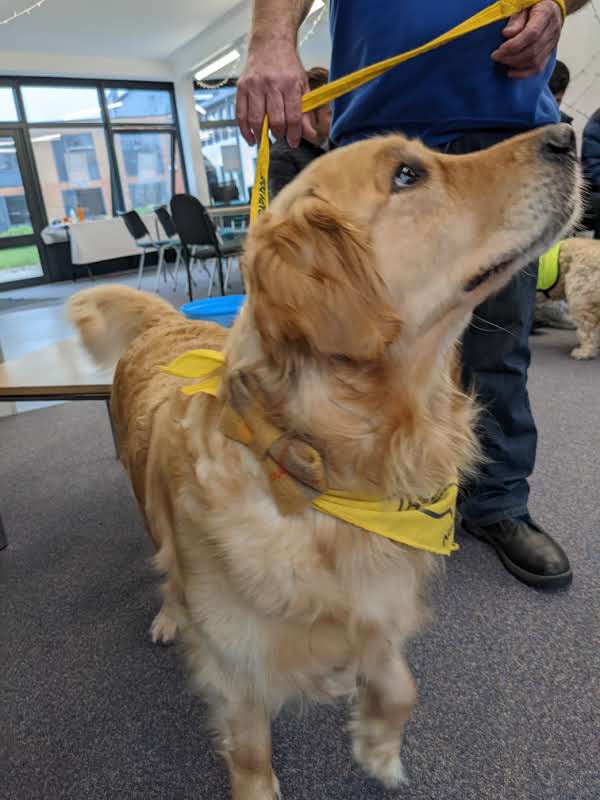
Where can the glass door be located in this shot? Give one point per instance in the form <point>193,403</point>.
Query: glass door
<point>19,224</point>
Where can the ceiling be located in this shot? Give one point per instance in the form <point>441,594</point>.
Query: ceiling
<point>144,29</point>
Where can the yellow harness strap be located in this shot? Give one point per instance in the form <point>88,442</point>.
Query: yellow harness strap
<point>502,9</point>
<point>424,525</point>
<point>549,269</point>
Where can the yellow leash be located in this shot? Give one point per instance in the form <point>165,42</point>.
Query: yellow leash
<point>502,9</point>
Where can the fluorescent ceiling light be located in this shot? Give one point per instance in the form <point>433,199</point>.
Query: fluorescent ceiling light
<point>116,104</point>
<point>51,137</point>
<point>217,64</point>
<point>316,6</point>
<point>201,109</point>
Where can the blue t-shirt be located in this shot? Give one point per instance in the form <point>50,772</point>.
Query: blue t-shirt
<point>437,96</point>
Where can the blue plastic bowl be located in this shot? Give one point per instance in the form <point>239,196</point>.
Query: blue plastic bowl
<point>222,310</point>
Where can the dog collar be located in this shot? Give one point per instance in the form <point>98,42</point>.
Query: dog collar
<point>296,473</point>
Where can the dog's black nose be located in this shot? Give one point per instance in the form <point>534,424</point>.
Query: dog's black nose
<point>558,141</point>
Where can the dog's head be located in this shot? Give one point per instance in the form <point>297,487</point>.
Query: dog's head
<point>384,241</point>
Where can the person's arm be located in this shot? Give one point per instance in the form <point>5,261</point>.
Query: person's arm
<point>532,36</point>
<point>273,80</point>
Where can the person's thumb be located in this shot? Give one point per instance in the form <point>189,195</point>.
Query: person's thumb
<point>515,24</point>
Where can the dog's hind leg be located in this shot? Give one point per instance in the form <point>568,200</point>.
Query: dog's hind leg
<point>384,705</point>
<point>244,731</point>
<point>588,333</point>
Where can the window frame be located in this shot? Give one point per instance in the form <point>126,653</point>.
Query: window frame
<point>109,125</point>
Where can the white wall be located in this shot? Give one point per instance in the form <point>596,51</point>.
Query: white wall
<point>580,50</point>
<point>67,66</point>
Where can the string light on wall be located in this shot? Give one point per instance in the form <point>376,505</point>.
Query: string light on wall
<point>23,12</point>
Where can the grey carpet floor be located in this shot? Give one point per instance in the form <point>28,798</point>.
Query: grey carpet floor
<point>508,676</point>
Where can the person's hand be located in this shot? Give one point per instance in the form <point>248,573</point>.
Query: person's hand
<point>273,82</point>
<point>531,36</point>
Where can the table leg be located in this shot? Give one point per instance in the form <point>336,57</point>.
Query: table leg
<point>188,268</point>
<point>112,429</point>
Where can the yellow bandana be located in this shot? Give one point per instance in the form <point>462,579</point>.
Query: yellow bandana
<point>296,472</point>
<point>549,269</point>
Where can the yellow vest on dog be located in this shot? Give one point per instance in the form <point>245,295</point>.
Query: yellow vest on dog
<point>549,269</point>
<point>424,525</point>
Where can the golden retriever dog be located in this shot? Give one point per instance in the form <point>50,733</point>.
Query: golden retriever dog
<point>579,285</point>
<point>360,278</point>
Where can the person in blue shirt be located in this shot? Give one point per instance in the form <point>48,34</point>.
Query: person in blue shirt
<point>468,95</point>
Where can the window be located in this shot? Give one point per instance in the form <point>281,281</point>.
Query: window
<point>97,147</point>
<point>20,264</point>
<point>139,105</point>
<point>90,201</point>
<point>150,168</point>
<point>74,163</point>
<point>10,174</point>
<point>14,214</point>
<point>74,171</point>
<point>142,154</point>
<point>148,195</point>
<point>8,107</point>
<point>230,162</point>
<point>61,104</point>
<point>75,156</point>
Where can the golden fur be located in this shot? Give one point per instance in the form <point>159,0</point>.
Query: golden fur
<point>579,284</point>
<point>358,288</point>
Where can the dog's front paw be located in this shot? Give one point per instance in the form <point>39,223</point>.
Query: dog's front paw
<point>583,353</point>
<point>378,755</point>
<point>163,628</point>
<point>256,789</point>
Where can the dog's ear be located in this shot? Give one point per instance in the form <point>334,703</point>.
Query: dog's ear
<point>312,280</point>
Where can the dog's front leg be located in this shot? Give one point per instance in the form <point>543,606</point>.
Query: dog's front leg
<point>384,705</point>
<point>244,731</point>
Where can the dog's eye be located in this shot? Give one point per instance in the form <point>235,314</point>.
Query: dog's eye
<point>404,176</point>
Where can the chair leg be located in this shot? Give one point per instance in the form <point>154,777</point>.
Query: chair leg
<point>211,279</point>
<point>161,261</point>
<point>221,279</point>
<point>227,272</point>
<point>141,269</point>
<point>188,268</point>
<point>176,269</point>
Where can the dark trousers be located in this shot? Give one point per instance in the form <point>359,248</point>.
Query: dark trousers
<point>592,217</point>
<point>495,361</point>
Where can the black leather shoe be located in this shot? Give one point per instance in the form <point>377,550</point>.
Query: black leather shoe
<point>526,551</point>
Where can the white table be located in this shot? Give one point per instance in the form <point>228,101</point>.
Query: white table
<point>101,240</point>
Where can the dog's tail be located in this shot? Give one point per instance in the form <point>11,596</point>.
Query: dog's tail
<point>110,317</point>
